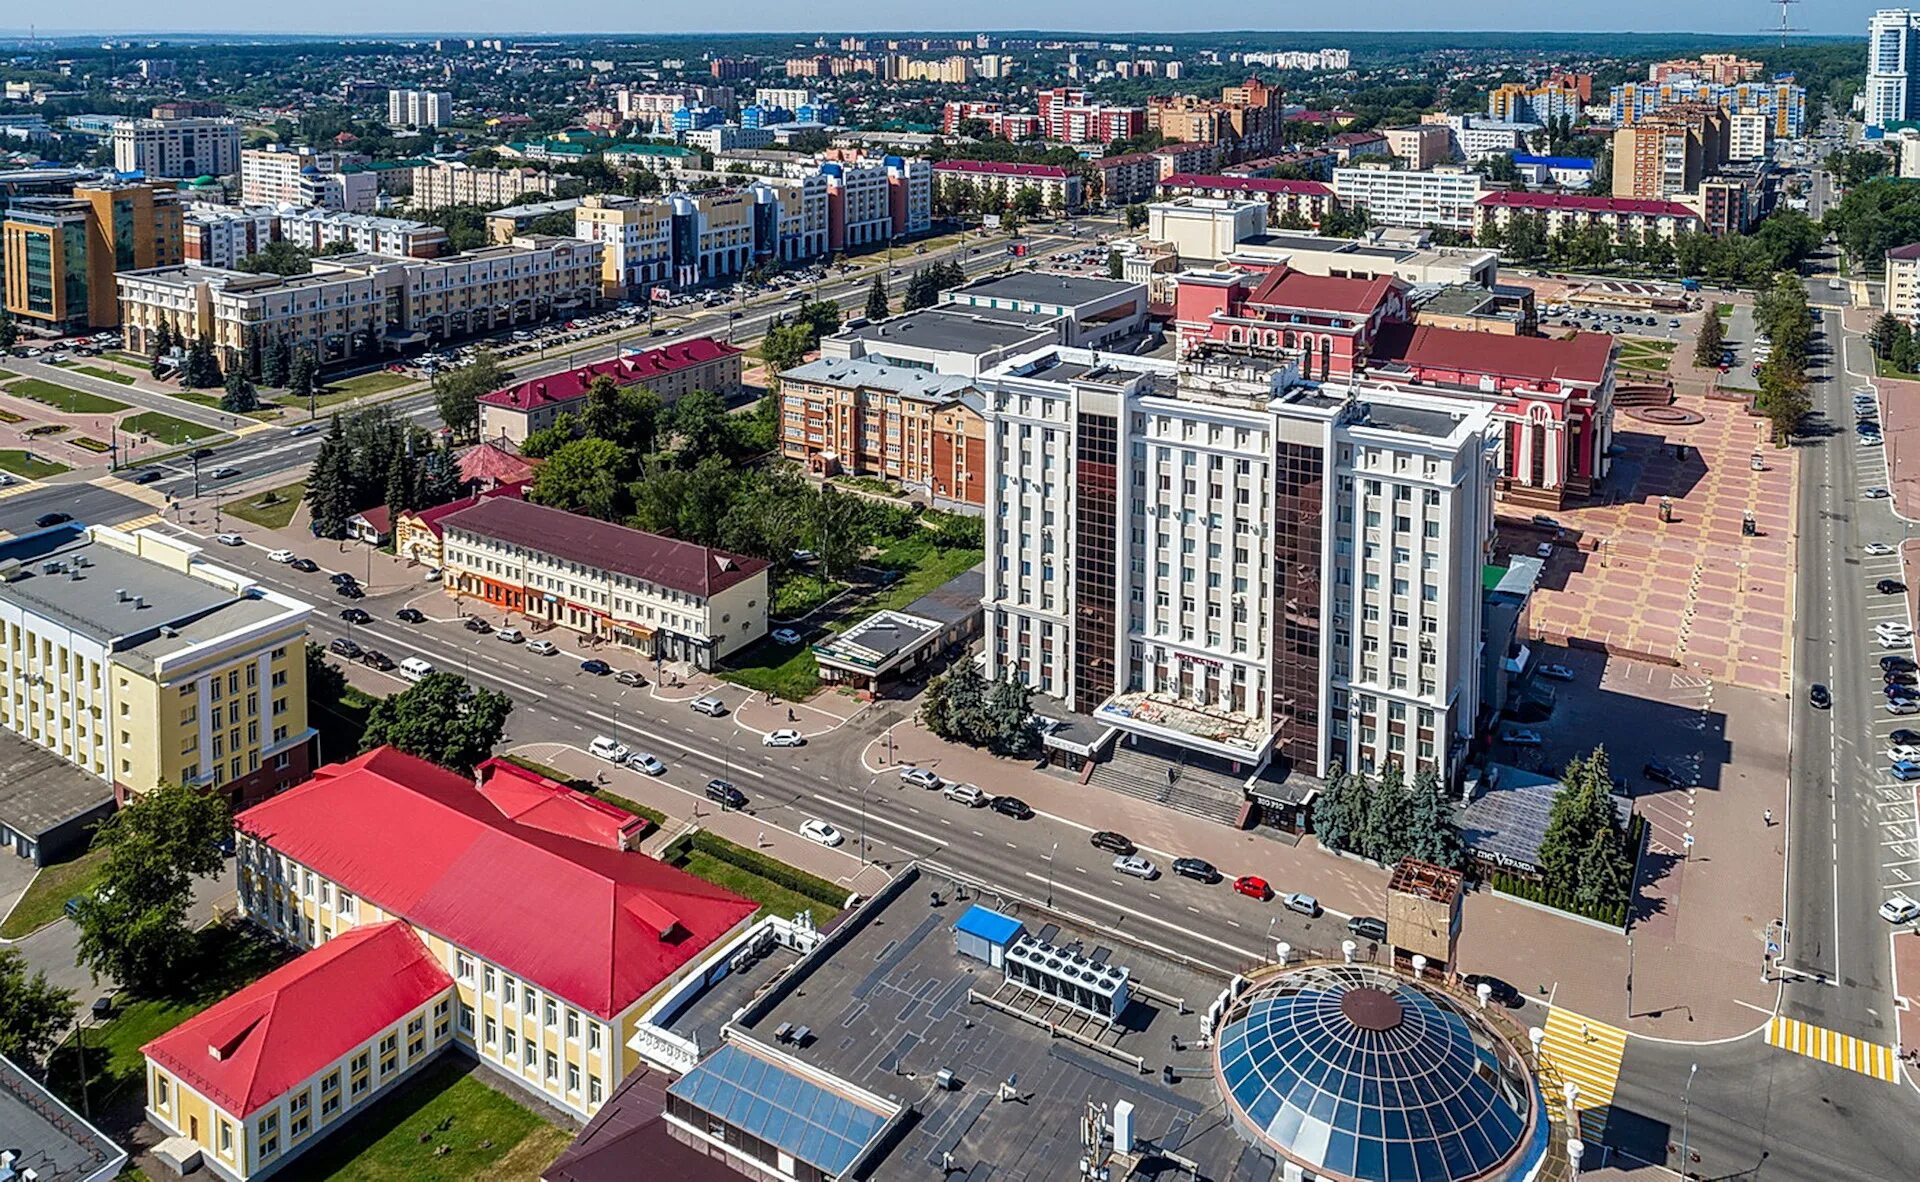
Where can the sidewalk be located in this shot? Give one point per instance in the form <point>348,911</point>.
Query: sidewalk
<point>1683,981</point>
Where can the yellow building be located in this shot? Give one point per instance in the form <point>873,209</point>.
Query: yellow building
<point>61,252</point>
<point>132,657</point>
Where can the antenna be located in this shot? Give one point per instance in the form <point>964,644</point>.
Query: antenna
<point>1786,24</point>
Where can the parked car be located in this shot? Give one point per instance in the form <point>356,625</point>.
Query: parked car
<point>476,624</point>
<point>1900,677</point>
<point>641,761</point>
<point>709,705</point>
<point>1890,586</point>
<point>542,648</point>
<point>230,539</point>
<point>629,677</point>
<point>1556,672</point>
<point>411,615</point>
<point>726,794</point>
<point>1499,992</point>
<point>1367,927</point>
<point>344,647</point>
<point>920,777</point>
<point>1136,866</point>
<point>784,737</point>
<point>785,636</point>
<point>819,831</point>
<point>1896,706</point>
<point>305,566</point>
<point>965,794</point>
<point>1900,908</point>
<point>1113,843</point>
<point>609,749</point>
<point>510,635</point>
<point>1893,663</point>
<point>281,556</point>
<point>1253,887</point>
<point>377,659</point>
<point>349,591</point>
<point>1905,770</point>
<point>1876,493</point>
<point>356,615</point>
<point>1303,903</point>
<point>1821,698</point>
<point>1660,773</point>
<point>1198,869</point>
<point>1515,736</point>
<point>1012,806</point>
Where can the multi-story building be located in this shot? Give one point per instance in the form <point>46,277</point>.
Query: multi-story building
<point>1669,152</point>
<point>1724,68</point>
<point>419,108</point>
<point>222,235</point>
<point>1902,296</point>
<point>1442,198</point>
<point>1127,178</point>
<point>1422,145</point>
<point>1475,138</point>
<point>1242,123</point>
<point>661,158</point>
<point>1188,159</point>
<point>1892,92</point>
<point>1749,136</point>
<point>1781,101</point>
<point>1058,188</point>
<point>656,597</point>
<point>514,412</point>
<point>274,175</point>
<point>636,237</point>
<point>555,932</point>
<point>1238,565</point>
<point>867,418</point>
<point>177,149</point>
<point>62,252</point>
<point>1565,172</point>
<point>1288,202</point>
<point>859,205</point>
<point>132,657</point>
<point>361,306</point>
<point>1628,218</point>
<point>1322,326</point>
<point>1517,102</point>
<point>440,183</point>
<point>726,137</point>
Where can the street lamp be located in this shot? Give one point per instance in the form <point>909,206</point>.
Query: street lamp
<point>1050,860</point>
<point>1686,1110</point>
<point>1629,975</point>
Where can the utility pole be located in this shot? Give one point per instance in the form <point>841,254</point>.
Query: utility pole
<point>1686,1111</point>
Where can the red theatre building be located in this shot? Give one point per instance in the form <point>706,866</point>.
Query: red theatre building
<point>1323,325</point>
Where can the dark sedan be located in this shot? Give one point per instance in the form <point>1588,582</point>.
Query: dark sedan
<point>349,591</point>
<point>1198,869</point>
<point>1012,806</point>
<point>305,566</point>
<point>355,615</point>
<point>595,666</point>
<point>411,615</point>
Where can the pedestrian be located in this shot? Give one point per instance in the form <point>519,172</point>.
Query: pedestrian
<point>1585,1034</point>
<point>1767,815</point>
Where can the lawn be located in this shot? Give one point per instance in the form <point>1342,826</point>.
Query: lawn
<point>26,464</point>
<point>748,885</point>
<point>923,567</point>
<point>47,895</point>
<point>65,398</point>
<point>1645,354</point>
<point>361,385</point>
<point>798,593</point>
<point>98,447</point>
<point>166,428</point>
<point>397,1139</point>
<point>105,374</point>
<point>786,671</point>
<point>1883,368</point>
<point>270,509</point>
<point>227,958</point>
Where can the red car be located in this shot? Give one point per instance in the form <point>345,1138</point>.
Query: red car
<point>1253,886</point>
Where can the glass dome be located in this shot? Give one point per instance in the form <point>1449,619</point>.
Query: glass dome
<point>1359,1073</point>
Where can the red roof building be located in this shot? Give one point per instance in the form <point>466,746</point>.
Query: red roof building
<point>417,535</point>
<point>249,1049</point>
<point>490,464</point>
<point>510,414</point>
<point>1323,324</point>
<point>1573,212</point>
<point>1057,187</point>
<point>1289,202</point>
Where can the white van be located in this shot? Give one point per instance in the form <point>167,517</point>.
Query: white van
<point>413,668</point>
<point>612,750</point>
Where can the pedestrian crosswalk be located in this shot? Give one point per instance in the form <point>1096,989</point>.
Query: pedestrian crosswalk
<point>140,522</point>
<point>1586,1053</point>
<point>127,488</point>
<point>1830,1046</point>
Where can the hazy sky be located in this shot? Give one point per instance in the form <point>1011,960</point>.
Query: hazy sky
<point>580,16</point>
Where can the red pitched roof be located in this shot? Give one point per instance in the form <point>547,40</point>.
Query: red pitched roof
<point>1586,204</point>
<point>1287,288</point>
<point>1127,158</point>
<point>550,806</point>
<point>1245,184</point>
<point>596,926</point>
<point>1583,357</point>
<point>1001,168</point>
<point>249,1049</point>
<point>431,518</point>
<point>1909,251</point>
<point>684,566</point>
<point>490,461</point>
<point>377,518</point>
<point>625,371</point>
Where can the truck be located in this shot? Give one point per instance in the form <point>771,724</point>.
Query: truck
<point>1690,285</point>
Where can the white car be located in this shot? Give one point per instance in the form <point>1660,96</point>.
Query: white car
<point>279,556</point>
<point>1902,706</point>
<point>233,540</point>
<point>1871,440</point>
<point>432,575</point>
<point>1520,737</point>
<point>510,635</point>
<point>641,761</point>
<point>1900,908</point>
<point>1876,493</point>
<point>543,648</point>
<point>785,737</point>
<point>821,832</point>
<point>785,636</point>
<point>1903,751</point>
<point>1556,672</point>
<point>1879,549</point>
<point>1136,866</point>
<point>920,777</point>
<point>611,750</point>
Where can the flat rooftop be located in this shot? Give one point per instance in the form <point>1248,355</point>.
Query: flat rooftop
<point>1414,420</point>
<point>90,603</point>
<point>887,999</point>
<point>40,791</point>
<point>951,329</point>
<point>1043,287</point>
<point>52,1139</point>
<point>858,372</point>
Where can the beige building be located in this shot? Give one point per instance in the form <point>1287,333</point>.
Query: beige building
<point>636,239</point>
<point>512,413</point>
<point>177,149</point>
<point>1902,300</point>
<point>653,596</point>
<point>866,418</point>
<point>450,182</point>
<point>1421,146</point>
<point>361,305</point>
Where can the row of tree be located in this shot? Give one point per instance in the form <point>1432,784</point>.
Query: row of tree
<point>961,706</point>
<point>281,365</point>
<point>1382,819</point>
<point>1893,341</point>
<point>376,457</point>
<point>1781,241</point>
<point>1780,313</point>
<point>1587,849</point>
<point>1874,217</point>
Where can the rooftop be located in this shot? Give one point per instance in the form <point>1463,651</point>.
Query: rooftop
<point>1246,184</point>
<point>684,566</point>
<point>954,329</point>
<point>248,1049</point>
<point>1410,420</point>
<point>1581,358</point>
<point>52,1139</point>
<point>1285,287</point>
<point>1582,203</point>
<point>598,926</point>
<point>1505,820</point>
<point>1042,287</point>
<point>626,370</point>
<point>860,372</point>
<point>1002,168</point>
<point>40,791</point>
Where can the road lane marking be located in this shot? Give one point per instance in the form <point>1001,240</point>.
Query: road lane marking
<point>1830,1046</point>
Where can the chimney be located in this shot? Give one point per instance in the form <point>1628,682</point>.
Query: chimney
<point>139,603</point>
<point>120,594</point>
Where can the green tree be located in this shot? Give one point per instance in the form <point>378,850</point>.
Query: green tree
<point>277,258</point>
<point>702,427</point>
<point>785,347</point>
<point>954,704</point>
<point>1710,342</point>
<point>1431,826</point>
<point>584,476</point>
<point>821,318</point>
<point>163,344</point>
<point>442,718</point>
<point>1603,874</point>
<point>1338,811</point>
<point>833,526</point>
<point>1885,331</point>
<point>33,1012</point>
<point>457,392</point>
<point>922,292</point>
<point>134,929</point>
<point>1116,265</point>
<point>877,299</point>
<point>1136,216</point>
<point>300,374</point>
<point>541,443</point>
<point>1585,849</point>
<point>1384,832</point>
<point>330,484</point>
<point>1027,202</point>
<point>326,681</point>
<point>275,362</point>
<point>1006,720</point>
<point>240,397</point>
<point>9,331</point>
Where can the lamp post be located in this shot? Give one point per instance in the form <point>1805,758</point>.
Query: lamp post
<point>1686,1111</point>
<point>1051,858</point>
<point>1629,974</point>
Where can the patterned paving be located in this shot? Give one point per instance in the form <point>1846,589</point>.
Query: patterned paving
<point>1693,591</point>
<point>1830,1046</point>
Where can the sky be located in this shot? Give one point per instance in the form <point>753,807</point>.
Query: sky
<point>370,17</point>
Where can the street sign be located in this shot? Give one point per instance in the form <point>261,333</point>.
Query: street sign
<point>1687,840</point>
<point>1773,950</point>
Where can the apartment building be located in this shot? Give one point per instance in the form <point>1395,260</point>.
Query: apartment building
<point>661,158</point>
<point>1421,146</point>
<point>1244,122</point>
<point>636,239</point>
<point>1628,218</point>
<point>440,183</point>
<point>1442,198</point>
<point>323,230</point>
<point>867,418</point>
<point>301,176</point>
<point>61,253</point>
<point>136,660</point>
<point>1191,159</point>
<point>222,235</point>
<point>1517,102</point>
<point>1288,202</point>
<point>1058,188</point>
<point>1724,68</point>
<point>1779,100</point>
<point>1902,296</point>
<point>1892,92</point>
<point>1235,564</point>
<point>555,931</point>
<point>1749,136</point>
<point>671,371</point>
<point>655,597</point>
<point>419,108</point>
<point>1127,178</point>
<point>176,149</point>
<point>1670,152</point>
<point>361,306</point>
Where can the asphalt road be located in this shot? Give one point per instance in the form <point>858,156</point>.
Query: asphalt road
<point>85,503</point>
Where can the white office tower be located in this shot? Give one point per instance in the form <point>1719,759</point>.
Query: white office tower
<point>1893,36</point>
<point>1241,565</point>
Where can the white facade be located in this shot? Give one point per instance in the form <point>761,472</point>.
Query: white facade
<point>177,148</point>
<point>1747,135</point>
<point>865,196</point>
<point>303,177</point>
<point>222,235</point>
<point>1438,197</point>
<point>419,108</point>
<point>1902,294</point>
<point>1290,570</point>
<point>727,137</point>
<point>1893,37</point>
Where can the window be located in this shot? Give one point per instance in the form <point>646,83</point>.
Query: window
<point>488,978</point>
<point>466,1017</point>
<point>226,1138</point>
<point>492,1031</point>
<point>573,1025</point>
<point>506,990</point>
<point>508,1045</point>
<point>593,1037</point>
<point>553,1067</point>
<point>161,1089</point>
<point>463,967</point>
<point>552,1014</point>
